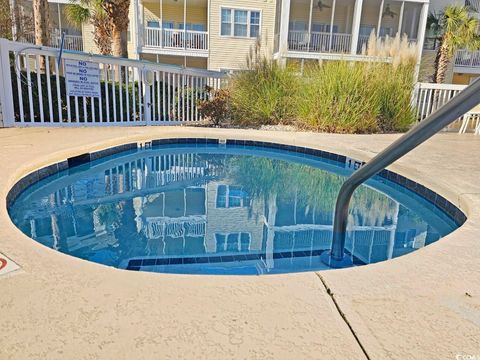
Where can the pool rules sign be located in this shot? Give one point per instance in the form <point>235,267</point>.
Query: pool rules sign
<point>83,78</point>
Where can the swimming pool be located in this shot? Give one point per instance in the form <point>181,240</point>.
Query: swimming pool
<point>200,206</point>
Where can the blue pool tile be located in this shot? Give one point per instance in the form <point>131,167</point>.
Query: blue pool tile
<point>162,261</point>
<point>252,256</point>
<point>201,259</point>
<point>175,261</point>
<point>137,262</point>
<point>214,259</point>
<point>228,258</point>
<point>148,262</point>
<point>78,160</point>
<point>189,261</point>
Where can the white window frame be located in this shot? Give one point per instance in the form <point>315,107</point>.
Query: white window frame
<point>243,204</point>
<point>232,22</point>
<point>239,240</point>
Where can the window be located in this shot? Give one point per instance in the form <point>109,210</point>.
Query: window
<point>240,27</point>
<point>222,196</point>
<point>226,22</point>
<point>240,23</point>
<point>153,24</point>
<point>297,25</point>
<point>233,242</point>
<point>195,27</point>
<point>168,24</point>
<point>198,27</point>
<point>324,28</point>
<point>254,24</point>
<point>229,196</point>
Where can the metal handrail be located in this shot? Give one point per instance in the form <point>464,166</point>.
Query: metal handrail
<point>454,109</point>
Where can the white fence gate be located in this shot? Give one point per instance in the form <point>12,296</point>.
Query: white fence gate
<point>430,97</point>
<point>132,92</point>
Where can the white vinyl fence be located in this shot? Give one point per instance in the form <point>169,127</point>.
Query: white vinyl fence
<point>34,92</point>
<point>430,97</point>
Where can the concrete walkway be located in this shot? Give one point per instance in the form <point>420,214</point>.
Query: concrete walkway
<point>422,306</point>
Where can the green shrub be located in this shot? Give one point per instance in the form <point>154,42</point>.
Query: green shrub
<point>395,87</point>
<point>344,97</point>
<point>217,108</point>
<point>264,95</point>
<point>337,97</point>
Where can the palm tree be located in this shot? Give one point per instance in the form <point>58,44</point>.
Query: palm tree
<point>117,10</point>
<point>40,17</point>
<point>456,29</point>
<point>92,11</point>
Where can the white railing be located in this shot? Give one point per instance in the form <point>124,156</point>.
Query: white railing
<point>176,39</point>
<point>160,227</point>
<point>429,97</point>
<point>467,59</point>
<point>319,41</point>
<point>71,42</point>
<point>132,92</point>
<point>363,42</point>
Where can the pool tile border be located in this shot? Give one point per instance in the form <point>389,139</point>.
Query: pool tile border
<point>136,264</point>
<point>70,163</point>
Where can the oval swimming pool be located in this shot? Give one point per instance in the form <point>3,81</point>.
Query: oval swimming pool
<point>199,207</point>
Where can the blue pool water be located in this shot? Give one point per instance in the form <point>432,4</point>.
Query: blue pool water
<point>216,209</point>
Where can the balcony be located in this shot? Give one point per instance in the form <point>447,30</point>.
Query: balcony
<point>467,61</point>
<point>319,42</point>
<point>176,41</point>
<point>71,42</point>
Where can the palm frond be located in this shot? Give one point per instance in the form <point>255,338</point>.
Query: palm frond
<point>77,14</point>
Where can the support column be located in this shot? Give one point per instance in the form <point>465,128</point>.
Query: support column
<point>15,19</point>
<point>310,25</point>
<point>59,19</point>
<point>283,39</point>
<point>185,31</point>
<point>137,29</point>
<point>161,23</point>
<point>334,4</point>
<point>400,20</point>
<point>379,26</point>
<point>357,17</point>
<point>422,28</point>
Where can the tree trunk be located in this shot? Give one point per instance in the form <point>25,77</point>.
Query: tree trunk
<point>119,42</point>
<point>117,11</point>
<point>442,61</point>
<point>102,35</point>
<point>40,16</point>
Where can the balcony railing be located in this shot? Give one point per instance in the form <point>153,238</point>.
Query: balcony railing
<point>467,59</point>
<point>71,42</point>
<point>319,41</point>
<point>176,39</point>
<point>363,42</point>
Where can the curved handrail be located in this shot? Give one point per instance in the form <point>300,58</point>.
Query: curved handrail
<point>455,108</point>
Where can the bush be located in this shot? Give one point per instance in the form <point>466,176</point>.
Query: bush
<point>217,108</point>
<point>356,98</point>
<point>337,97</point>
<point>264,95</point>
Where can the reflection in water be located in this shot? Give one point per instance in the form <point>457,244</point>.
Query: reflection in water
<point>199,212</point>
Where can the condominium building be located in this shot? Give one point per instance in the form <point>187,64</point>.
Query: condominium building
<point>219,34</point>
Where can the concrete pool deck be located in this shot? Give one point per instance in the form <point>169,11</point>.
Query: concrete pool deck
<point>425,305</point>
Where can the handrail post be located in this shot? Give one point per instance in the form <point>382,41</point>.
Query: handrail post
<point>454,109</point>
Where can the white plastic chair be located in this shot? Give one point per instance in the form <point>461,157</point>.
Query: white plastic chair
<point>472,115</point>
